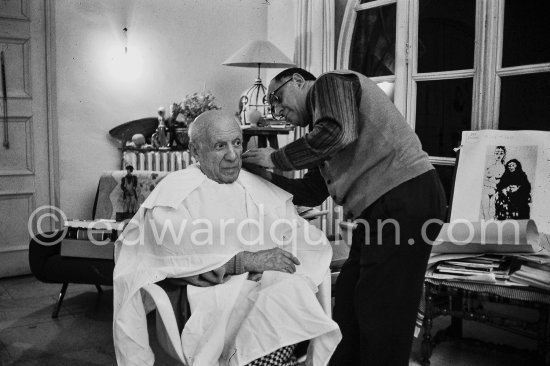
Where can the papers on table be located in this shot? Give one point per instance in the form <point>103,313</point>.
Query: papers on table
<point>485,268</point>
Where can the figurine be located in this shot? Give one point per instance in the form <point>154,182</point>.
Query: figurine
<point>161,138</point>
<point>128,185</point>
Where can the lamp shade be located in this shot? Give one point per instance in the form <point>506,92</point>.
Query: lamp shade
<point>259,52</point>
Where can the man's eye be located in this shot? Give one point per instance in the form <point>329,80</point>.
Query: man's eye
<point>219,146</point>
<point>238,143</point>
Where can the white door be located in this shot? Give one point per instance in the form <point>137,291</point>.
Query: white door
<point>25,164</point>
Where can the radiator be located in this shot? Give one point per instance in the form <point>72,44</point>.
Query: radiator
<point>156,160</point>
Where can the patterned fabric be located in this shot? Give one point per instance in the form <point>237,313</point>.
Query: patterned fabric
<point>281,357</point>
<point>110,197</point>
<point>333,99</point>
<point>509,292</point>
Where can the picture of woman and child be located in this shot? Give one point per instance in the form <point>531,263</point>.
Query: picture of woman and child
<point>506,191</point>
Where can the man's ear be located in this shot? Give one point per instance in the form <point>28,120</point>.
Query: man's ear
<point>194,151</point>
<point>298,80</point>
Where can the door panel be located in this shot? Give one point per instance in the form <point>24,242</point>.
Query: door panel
<point>18,159</point>
<point>13,228</point>
<point>25,165</point>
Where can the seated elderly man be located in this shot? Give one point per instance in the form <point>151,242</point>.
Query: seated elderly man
<point>254,262</point>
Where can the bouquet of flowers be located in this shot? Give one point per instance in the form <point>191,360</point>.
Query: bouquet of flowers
<point>193,105</point>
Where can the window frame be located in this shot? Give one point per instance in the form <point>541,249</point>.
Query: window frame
<point>487,70</point>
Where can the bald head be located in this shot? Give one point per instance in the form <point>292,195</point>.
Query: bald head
<point>215,141</point>
<point>198,130</point>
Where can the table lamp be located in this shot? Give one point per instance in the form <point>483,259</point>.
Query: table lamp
<point>257,54</point>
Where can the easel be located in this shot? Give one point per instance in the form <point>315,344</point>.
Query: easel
<point>463,301</point>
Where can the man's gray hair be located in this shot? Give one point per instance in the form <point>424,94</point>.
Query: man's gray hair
<point>197,131</point>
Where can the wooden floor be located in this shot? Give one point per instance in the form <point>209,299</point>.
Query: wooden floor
<point>82,335</point>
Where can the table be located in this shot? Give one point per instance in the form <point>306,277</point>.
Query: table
<point>463,300</point>
<point>265,135</point>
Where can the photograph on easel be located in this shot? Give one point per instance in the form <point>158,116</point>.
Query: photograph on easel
<point>506,192</point>
<point>503,175</point>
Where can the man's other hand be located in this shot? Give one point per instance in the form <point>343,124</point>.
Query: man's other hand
<point>275,259</point>
<point>259,156</point>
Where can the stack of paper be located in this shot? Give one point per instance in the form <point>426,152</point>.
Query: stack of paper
<point>533,275</point>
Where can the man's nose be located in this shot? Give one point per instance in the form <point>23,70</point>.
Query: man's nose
<point>231,153</point>
<point>277,110</point>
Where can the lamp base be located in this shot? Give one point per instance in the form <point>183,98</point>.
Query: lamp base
<point>253,99</point>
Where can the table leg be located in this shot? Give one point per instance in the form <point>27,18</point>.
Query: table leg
<point>426,348</point>
<point>273,142</point>
<point>262,141</point>
<point>455,329</point>
<point>543,334</point>
<point>246,139</point>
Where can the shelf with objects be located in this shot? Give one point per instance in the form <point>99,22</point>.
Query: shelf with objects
<point>154,143</point>
<point>491,261</point>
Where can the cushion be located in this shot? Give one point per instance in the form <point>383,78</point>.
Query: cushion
<point>109,201</point>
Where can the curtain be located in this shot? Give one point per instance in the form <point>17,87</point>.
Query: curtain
<point>315,52</point>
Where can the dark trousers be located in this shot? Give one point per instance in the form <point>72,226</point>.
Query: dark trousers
<point>378,290</point>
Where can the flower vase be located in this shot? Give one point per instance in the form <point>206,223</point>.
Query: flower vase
<point>180,135</point>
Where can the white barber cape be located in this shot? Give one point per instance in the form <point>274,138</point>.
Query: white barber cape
<point>190,225</point>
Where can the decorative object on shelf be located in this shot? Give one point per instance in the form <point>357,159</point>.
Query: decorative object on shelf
<point>161,138</point>
<point>139,140</point>
<point>253,116</point>
<point>257,54</point>
<point>179,139</point>
<point>125,132</point>
<point>182,114</point>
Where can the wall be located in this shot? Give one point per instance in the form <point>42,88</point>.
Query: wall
<point>280,30</point>
<point>180,46</point>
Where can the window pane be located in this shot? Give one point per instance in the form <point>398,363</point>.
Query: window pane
<point>525,102</point>
<point>446,35</point>
<point>443,111</point>
<point>373,42</point>
<point>526,32</point>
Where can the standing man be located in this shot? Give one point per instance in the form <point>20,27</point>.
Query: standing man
<point>361,151</point>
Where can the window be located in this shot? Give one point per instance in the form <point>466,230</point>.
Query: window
<point>456,65</point>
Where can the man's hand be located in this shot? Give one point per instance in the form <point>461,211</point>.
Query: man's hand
<point>259,156</point>
<point>275,259</point>
<point>258,170</point>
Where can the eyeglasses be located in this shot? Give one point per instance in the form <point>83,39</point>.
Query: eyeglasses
<point>275,99</point>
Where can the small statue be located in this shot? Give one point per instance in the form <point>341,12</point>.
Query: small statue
<point>178,129</point>
<point>161,138</point>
